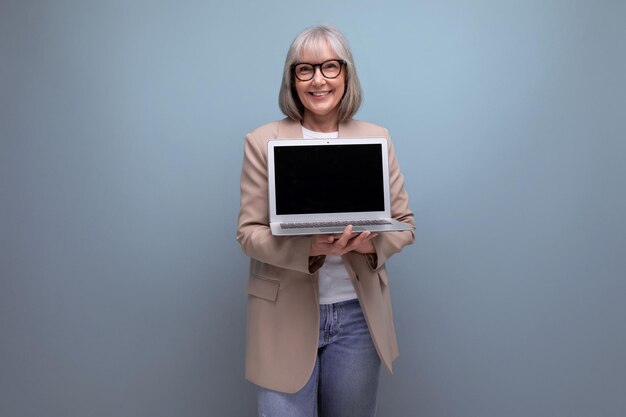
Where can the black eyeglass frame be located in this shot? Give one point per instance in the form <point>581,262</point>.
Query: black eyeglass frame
<point>341,64</point>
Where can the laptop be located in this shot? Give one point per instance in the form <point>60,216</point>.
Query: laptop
<point>319,186</point>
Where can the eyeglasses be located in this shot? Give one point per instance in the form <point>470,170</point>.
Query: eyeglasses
<point>330,69</point>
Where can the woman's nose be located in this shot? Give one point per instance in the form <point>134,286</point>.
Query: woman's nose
<point>318,78</point>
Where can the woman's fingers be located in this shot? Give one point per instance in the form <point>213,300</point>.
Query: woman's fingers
<point>341,244</point>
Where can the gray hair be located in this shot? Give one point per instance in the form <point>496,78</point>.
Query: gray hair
<point>312,40</point>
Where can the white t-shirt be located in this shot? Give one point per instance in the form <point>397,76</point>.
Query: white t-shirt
<point>335,284</point>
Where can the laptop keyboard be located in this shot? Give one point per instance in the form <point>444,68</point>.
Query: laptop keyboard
<point>297,225</point>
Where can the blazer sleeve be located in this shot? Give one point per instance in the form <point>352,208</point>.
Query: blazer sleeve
<point>389,243</point>
<point>253,232</point>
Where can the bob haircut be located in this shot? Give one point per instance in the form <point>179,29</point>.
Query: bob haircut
<point>312,40</point>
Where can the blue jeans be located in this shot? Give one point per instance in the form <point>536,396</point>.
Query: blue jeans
<point>344,381</point>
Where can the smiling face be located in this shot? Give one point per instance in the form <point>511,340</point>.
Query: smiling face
<point>321,96</point>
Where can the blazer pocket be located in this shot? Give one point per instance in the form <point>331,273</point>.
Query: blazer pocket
<point>262,287</point>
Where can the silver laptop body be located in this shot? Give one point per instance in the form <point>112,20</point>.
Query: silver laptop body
<point>319,186</point>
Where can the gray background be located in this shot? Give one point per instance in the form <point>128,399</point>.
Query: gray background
<point>121,123</point>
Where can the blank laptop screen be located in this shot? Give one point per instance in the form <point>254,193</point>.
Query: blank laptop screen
<point>328,179</point>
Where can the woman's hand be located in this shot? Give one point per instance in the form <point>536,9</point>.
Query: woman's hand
<point>343,243</point>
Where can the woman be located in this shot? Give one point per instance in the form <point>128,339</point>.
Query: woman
<point>319,312</point>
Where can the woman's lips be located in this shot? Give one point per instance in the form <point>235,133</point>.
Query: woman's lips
<point>319,93</point>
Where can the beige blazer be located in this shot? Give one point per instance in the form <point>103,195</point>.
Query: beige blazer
<point>283,299</point>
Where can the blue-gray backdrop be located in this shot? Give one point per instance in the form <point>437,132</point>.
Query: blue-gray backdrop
<point>121,123</point>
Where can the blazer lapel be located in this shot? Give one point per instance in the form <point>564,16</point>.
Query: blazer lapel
<point>289,129</point>
<point>349,129</point>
